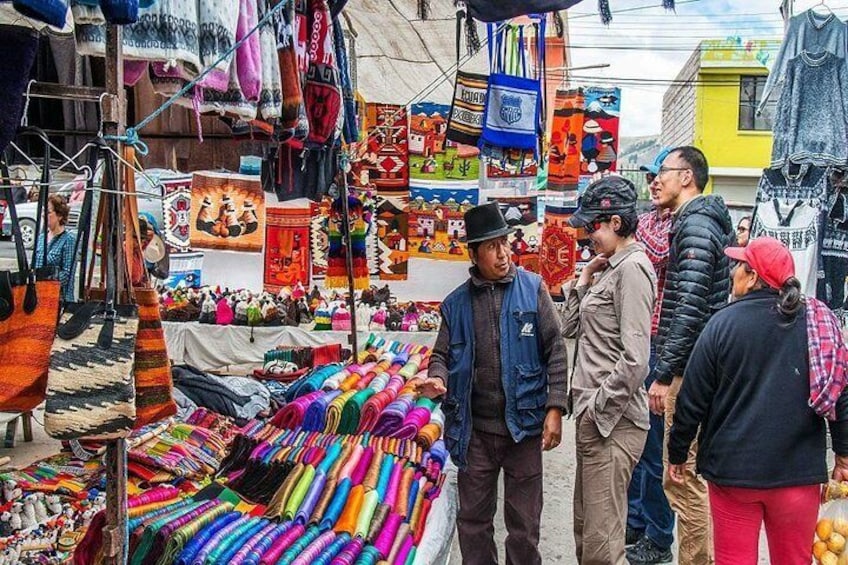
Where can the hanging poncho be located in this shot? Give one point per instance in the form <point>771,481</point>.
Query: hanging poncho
<point>336,265</point>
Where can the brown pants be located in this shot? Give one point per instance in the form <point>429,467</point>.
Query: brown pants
<point>604,468</point>
<point>478,499</point>
<point>689,500</point>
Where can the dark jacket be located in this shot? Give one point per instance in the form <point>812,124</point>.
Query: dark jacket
<point>747,385</point>
<point>697,282</point>
<point>501,357</point>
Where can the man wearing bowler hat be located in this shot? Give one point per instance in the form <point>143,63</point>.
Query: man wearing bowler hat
<point>501,365</point>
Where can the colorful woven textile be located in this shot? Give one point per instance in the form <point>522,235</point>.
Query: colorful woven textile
<point>227,212</point>
<point>151,367</point>
<point>599,144</point>
<point>437,223</point>
<point>431,156</point>
<point>521,213</point>
<point>176,214</point>
<point>566,132</point>
<point>287,249</point>
<point>319,236</point>
<point>393,234</point>
<point>558,255</point>
<point>358,220</point>
<point>387,152</point>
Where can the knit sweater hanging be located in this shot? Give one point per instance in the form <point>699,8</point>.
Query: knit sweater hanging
<point>336,260</point>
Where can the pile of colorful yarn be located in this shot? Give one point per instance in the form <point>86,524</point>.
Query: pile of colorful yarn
<point>376,394</point>
<point>180,450</point>
<point>358,498</point>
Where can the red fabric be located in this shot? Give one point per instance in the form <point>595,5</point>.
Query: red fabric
<point>828,358</point>
<point>558,253</point>
<point>326,354</point>
<point>653,234</point>
<point>566,132</point>
<point>287,249</point>
<point>789,515</point>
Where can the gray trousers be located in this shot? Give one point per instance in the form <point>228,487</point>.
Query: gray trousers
<point>604,468</point>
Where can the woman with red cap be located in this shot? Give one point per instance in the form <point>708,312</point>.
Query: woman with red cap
<point>764,406</point>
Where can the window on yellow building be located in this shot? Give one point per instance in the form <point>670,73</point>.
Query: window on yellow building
<point>750,94</point>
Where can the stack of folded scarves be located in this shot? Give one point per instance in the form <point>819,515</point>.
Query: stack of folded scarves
<point>346,500</point>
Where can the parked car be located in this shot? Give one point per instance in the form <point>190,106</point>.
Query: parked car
<point>149,201</point>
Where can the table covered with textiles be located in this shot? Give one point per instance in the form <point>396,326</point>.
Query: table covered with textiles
<point>229,348</point>
<point>351,470</point>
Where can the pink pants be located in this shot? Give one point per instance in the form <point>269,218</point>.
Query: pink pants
<point>790,518</point>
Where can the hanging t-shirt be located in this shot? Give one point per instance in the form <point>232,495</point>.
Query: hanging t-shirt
<point>811,121</point>
<point>795,223</point>
<point>811,32</point>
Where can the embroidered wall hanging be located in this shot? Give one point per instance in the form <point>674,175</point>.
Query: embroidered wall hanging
<point>431,156</point>
<point>286,248</point>
<point>319,236</point>
<point>386,149</point>
<point>558,252</point>
<point>599,141</point>
<point>358,221</point>
<point>521,212</point>
<point>437,224</point>
<point>227,212</point>
<point>393,232</point>
<point>566,133</point>
<point>176,214</point>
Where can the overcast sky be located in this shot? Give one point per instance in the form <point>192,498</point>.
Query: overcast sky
<point>657,44</point>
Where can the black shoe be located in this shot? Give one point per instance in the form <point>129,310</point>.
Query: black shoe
<point>646,552</point>
<point>632,536</point>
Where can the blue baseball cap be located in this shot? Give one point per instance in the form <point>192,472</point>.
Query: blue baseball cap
<point>654,168</point>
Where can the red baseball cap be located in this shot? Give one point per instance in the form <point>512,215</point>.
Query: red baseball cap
<point>768,257</point>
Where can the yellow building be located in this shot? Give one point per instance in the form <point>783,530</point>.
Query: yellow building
<point>712,106</point>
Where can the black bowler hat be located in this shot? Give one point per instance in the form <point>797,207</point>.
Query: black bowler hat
<point>485,222</point>
<point>604,198</point>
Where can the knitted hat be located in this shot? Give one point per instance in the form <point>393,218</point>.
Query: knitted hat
<point>52,12</point>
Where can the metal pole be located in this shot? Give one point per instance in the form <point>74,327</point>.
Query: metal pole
<point>348,246</point>
<point>115,538</point>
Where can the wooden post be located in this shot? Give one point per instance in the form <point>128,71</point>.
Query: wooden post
<point>348,246</point>
<point>115,539</point>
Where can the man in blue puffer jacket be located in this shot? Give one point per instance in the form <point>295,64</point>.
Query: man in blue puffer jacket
<point>502,366</point>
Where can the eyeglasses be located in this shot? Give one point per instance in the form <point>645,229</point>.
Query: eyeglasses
<point>592,227</point>
<point>663,169</point>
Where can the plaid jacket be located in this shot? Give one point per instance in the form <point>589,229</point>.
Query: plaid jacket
<point>828,358</point>
<point>653,234</point>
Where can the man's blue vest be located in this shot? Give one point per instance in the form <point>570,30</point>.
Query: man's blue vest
<point>524,375</point>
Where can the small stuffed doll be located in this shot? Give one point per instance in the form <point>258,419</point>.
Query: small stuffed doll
<point>254,313</point>
<point>378,320</point>
<point>208,310</point>
<point>224,313</point>
<point>240,313</point>
<point>410,319</point>
<point>341,319</point>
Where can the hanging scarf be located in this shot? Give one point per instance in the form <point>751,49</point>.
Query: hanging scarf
<point>828,358</point>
